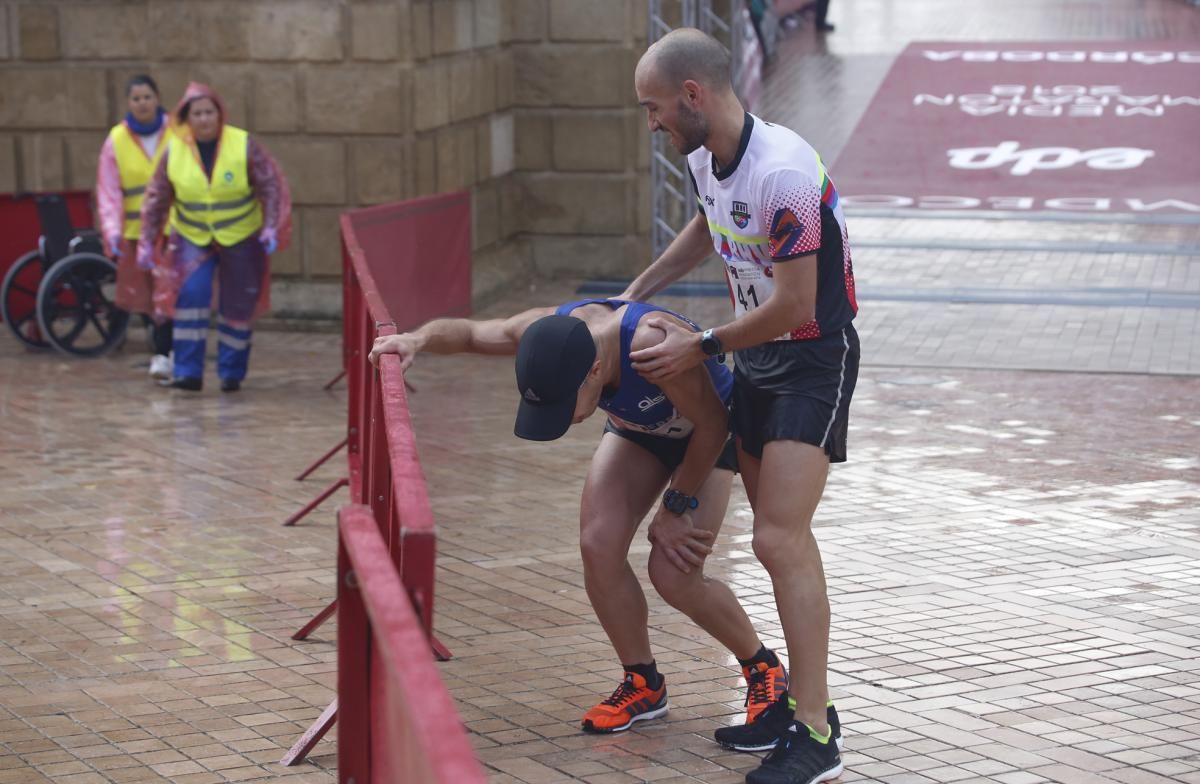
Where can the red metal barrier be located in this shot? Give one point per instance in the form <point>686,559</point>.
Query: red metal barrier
<point>402,265</point>
<point>382,246</point>
<point>399,723</point>
<point>19,229</point>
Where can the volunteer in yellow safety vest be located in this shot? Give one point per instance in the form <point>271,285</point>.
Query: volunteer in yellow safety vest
<point>229,209</point>
<point>127,161</point>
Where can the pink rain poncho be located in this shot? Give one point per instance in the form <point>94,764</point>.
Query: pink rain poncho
<point>135,286</point>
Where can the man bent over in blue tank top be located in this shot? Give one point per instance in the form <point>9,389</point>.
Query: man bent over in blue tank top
<point>674,436</point>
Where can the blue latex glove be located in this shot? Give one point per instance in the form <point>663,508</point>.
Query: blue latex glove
<point>269,241</point>
<point>114,246</point>
<point>145,258</point>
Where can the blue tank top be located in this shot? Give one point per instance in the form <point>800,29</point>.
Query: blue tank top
<point>636,404</point>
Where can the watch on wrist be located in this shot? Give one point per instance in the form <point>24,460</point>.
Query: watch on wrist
<point>677,502</point>
<point>710,344</point>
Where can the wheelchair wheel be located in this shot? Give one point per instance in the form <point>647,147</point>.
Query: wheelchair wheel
<point>18,299</point>
<point>75,309</point>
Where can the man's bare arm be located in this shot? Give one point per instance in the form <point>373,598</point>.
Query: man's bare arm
<point>497,337</point>
<point>690,247</point>
<point>792,304</point>
<point>694,396</point>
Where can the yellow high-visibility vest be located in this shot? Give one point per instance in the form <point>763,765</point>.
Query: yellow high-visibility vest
<point>224,209</point>
<point>136,169</point>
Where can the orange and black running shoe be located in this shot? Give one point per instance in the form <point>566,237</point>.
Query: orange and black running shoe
<point>632,701</point>
<point>764,685</point>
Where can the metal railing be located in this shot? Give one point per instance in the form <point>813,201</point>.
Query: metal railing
<point>729,22</point>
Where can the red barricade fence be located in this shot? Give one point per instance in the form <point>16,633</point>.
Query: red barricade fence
<point>398,724</point>
<point>415,259</point>
<point>402,265</point>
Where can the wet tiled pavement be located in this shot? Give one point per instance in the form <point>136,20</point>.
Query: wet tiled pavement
<point>1013,554</point>
<point>148,591</point>
<point>1012,560</point>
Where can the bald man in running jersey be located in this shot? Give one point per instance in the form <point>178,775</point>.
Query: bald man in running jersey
<point>570,361</point>
<point>770,210</point>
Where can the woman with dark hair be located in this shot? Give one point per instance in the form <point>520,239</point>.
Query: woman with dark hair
<point>127,161</point>
<point>229,209</point>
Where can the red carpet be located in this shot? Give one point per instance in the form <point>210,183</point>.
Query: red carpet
<point>1097,127</point>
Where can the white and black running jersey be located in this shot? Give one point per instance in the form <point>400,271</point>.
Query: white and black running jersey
<point>772,203</point>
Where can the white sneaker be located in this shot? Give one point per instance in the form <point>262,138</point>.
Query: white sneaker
<point>161,367</point>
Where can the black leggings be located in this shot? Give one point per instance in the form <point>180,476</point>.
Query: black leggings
<point>163,334</point>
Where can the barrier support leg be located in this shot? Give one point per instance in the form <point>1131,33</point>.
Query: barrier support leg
<point>333,488</point>
<point>417,554</point>
<point>440,651</point>
<point>335,379</point>
<point>321,460</point>
<point>312,625</point>
<point>312,736</point>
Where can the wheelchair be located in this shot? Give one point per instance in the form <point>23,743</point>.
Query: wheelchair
<point>62,294</point>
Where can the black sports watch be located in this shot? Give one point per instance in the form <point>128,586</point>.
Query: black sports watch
<point>677,502</point>
<point>710,344</point>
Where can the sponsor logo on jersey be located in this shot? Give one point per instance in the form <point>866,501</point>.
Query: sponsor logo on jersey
<point>748,272</point>
<point>740,214</point>
<point>650,402</point>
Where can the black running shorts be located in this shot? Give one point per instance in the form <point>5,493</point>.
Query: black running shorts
<point>796,390</point>
<point>670,451</point>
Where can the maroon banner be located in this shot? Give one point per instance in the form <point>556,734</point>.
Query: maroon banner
<point>1098,127</point>
<point>417,255</point>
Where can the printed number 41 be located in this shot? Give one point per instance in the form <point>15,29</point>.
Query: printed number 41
<point>749,292</point>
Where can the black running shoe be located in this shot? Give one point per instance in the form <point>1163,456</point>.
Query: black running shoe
<point>763,733</point>
<point>798,759</point>
<point>188,384</point>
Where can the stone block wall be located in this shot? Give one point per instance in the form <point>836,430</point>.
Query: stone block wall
<point>582,145</point>
<point>527,103</point>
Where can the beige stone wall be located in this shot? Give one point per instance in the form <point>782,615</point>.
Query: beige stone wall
<point>582,144</point>
<point>528,103</point>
